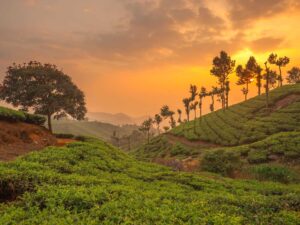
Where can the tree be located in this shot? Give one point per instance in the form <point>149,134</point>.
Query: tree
<point>186,103</point>
<point>267,78</point>
<point>193,106</point>
<point>146,127</point>
<point>193,91</point>
<point>115,139</point>
<point>245,78</point>
<point>280,62</point>
<point>227,89</point>
<point>157,121</point>
<point>256,70</point>
<point>212,93</point>
<point>202,95</point>
<point>167,113</point>
<point>294,75</point>
<point>223,66</point>
<point>179,115</point>
<point>44,89</point>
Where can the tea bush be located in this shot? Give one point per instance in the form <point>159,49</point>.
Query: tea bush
<point>94,183</point>
<point>11,115</point>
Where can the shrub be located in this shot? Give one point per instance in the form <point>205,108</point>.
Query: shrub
<point>67,136</point>
<point>274,173</point>
<point>221,161</point>
<point>34,119</point>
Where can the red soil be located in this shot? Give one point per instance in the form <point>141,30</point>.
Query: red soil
<point>20,138</point>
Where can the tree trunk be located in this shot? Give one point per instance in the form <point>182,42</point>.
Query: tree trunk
<point>267,86</point>
<point>247,88</point>
<point>49,123</point>
<point>280,76</point>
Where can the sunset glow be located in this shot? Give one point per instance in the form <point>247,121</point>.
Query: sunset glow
<point>134,56</point>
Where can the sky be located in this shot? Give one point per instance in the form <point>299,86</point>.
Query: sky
<point>133,56</point>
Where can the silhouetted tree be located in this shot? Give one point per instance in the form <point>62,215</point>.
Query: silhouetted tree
<point>202,95</point>
<point>293,75</point>
<point>146,127</point>
<point>212,94</point>
<point>227,90</point>
<point>280,62</point>
<point>267,78</point>
<point>193,92</point>
<point>193,106</point>
<point>223,66</point>
<point>179,115</point>
<point>187,102</point>
<point>167,113</point>
<point>44,89</point>
<point>245,78</point>
<point>157,121</point>
<point>256,70</point>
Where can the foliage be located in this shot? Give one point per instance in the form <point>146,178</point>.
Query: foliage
<point>248,121</point>
<point>20,116</point>
<point>275,173</point>
<point>294,75</point>
<point>93,183</point>
<point>44,89</point>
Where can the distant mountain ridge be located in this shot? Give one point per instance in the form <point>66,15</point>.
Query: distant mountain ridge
<point>116,119</point>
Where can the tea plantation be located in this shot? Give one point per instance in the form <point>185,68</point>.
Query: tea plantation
<point>248,121</point>
<point>11,115</point>
<point>94,183</point>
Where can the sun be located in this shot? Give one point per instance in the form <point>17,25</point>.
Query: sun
<point>243,55</point>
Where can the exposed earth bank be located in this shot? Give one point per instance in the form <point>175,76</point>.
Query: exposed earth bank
<point>20,138</point>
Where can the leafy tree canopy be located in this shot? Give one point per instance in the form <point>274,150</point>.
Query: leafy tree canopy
<point>44,89</point>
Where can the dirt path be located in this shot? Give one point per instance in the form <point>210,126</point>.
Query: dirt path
<point>193,144</point>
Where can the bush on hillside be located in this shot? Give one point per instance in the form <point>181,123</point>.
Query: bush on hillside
<point>221,161</point>
<point>274,173</point>
<point>20,116</point>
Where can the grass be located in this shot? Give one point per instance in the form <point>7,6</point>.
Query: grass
<point>94,183</point>
<point>11,115</point>
<point>246,122</point>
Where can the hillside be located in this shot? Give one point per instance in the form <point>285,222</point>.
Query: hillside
<point>115,119</point>
<point>94,183</point>
<point>233,142</point>
<point>95,129</point>
<point>248,121</point>
<point>21,133</point>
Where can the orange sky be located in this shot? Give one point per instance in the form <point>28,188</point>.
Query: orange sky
<point>133,56</point>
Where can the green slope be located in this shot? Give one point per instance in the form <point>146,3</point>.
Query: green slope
<point>248,121</point>
<point>94,183</point>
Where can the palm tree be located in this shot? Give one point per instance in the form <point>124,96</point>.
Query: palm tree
<point>245,78</point>
<point>193,106</point>
<point>294,75</point>
<point>157,121</point>
<point>202,95</point>
<point>223,66</point>
<point>179,115</point>
<point>280,62</point>
<point>186,103</point>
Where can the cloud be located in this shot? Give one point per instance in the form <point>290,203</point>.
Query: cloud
<point>266,44</point>
<point>243,13</point>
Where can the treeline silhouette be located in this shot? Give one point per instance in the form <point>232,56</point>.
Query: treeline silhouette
<point>222,67</point>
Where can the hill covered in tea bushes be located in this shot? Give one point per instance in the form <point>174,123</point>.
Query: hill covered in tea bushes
<point>95,183</point>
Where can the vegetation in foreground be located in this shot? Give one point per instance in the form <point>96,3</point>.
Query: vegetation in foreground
<point>92,183</point>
